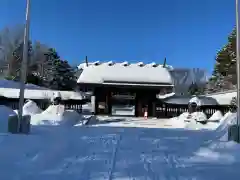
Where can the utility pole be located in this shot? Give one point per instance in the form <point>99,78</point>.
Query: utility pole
<point>24,64</point>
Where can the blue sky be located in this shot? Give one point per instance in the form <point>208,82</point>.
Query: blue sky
<point>187,32</point>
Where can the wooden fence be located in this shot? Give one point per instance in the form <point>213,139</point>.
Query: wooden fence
<point>44,104</point>
<point>173,110</point>
<point>162,111</point>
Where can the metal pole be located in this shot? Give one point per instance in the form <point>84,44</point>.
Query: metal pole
<point>238,67</point>
<point>24,64</point>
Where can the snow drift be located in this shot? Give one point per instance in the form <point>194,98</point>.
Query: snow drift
<point>30,108</point>
<point>216,116</point>
<point>196,116</point>
<point>199,116</point>
<point>175,123</point>
<point>56,115</point>
<point>187,120</point>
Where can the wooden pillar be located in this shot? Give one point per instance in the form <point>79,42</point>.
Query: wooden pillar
<point>136,106</point>
<point>95,101</point>
<point>106,102</point>
<point>154,109</point>
<point>109,102</point>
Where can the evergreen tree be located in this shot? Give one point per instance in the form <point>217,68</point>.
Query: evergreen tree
<point>58,73</point>
<point>45,66</point>
<point>224,73</point>
<point>48,67</point>
<point>193,89</point>
<point>233,104</point>
<point>63,77</point>
<point>232,74</point>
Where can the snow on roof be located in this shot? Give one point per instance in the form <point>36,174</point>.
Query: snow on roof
<point>109,73</point>
<point>10,89</point>
<point>40,94</point>
<point>223,98</point>
<point>16,85</point>
<point>184,100</point>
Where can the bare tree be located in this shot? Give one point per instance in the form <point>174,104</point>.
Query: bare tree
<point>10,40</point>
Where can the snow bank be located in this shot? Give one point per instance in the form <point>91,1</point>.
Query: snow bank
<point>183,116</point>
<point>189,121</point>
<point>194,125</point>
<point>5,112</point>
<point>196,116</point>
<point>216,116</point>
<point>176,122</point>
<point>199,116</point>
<point>194,121</point>
<point>228,119</point>
<point>30,108</point>
<point>219,149</point>
<point>56,115</point>
<point>220,125</point>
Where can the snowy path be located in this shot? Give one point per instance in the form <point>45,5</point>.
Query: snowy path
<point>97,153</point>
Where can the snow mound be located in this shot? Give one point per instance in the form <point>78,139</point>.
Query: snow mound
<point>196,116</point>
<point>216,116</point>
<point>221,128</point>
<point>183,116</point>
<point>31,108</point>
<point>227,120</point>
<point>194,125</point>
<point>199,116</point>
<point>56,115</point>
<point>176,122</point>
<point>190,121</point>
<point>5,112</point>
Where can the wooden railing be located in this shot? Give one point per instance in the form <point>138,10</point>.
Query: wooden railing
<point>173,110</point>
<point>162,111</point>
<point>13,103</point>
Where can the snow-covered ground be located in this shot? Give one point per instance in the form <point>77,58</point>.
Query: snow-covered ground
<point>117,153</point>
<point>182,121</point>
<point>66,151</point>
<point>115,121</point>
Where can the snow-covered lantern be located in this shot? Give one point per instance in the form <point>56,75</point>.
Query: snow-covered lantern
<point>125,63</point>
<point>194,104</point>
<point>56,98</point>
